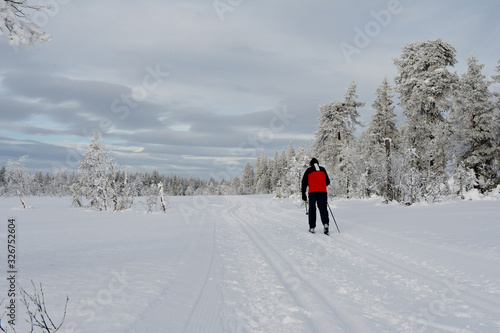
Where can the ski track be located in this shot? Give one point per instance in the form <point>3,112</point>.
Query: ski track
<point>405,276</point>
<point>206,312</point>
<point>314,263</point>
<point>199,312</point>
<point>395,261</point>
<point>325,314</point>
<point>436,271</point>
<point>438,248</point>
<point>254,293</point>
<point>433,291</point>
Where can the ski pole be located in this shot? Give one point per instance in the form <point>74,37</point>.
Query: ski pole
<point>305,204</point>
<point>333,217</point>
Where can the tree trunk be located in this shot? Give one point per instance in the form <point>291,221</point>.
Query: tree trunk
<point>473,128</point>
<point>20,198</point>
<point>104,200</point>
<point>163,204</point>
<point>390,188</point>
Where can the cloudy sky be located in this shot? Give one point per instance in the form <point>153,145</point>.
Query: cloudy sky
<point>199,87</point>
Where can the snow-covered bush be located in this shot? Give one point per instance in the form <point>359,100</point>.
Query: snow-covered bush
<point>15,178</point>
<point>155,200</point>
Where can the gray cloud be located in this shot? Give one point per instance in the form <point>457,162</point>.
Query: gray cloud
<point>226,78</point>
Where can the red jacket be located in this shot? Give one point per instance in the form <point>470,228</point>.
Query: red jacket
<point>316,180</point>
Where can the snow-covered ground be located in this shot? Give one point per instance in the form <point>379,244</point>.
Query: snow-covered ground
<point>248,264</point>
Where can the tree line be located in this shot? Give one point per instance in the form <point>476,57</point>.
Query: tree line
<point>101,184</point>
<point>448,145</point>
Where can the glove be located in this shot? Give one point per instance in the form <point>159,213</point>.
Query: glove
<point>304,197</point>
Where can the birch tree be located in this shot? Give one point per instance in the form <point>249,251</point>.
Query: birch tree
<point>15,177</point>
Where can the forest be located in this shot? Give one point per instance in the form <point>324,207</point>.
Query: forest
<point>447,146</point>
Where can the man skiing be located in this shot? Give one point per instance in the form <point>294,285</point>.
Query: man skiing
<point>317,180</point>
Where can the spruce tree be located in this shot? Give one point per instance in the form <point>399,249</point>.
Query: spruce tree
<point>247,180</point>
<point>383,121</point>
<point>377,144</point>
<point>275,172</point>
<point>496,94</point>
<point>474,124</point>
<point>289,163</point>
<point>280,173</point>
<point>262,179</point>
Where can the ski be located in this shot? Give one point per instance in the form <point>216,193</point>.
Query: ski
<point>326,232</point>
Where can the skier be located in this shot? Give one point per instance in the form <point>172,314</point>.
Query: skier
<point>317,180</point>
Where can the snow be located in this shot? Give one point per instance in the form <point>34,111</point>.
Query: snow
<point>248,264</point>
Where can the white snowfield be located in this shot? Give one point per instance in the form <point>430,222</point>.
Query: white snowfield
<point>248,264</point>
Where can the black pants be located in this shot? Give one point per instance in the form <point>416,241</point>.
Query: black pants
<point>321,198</point>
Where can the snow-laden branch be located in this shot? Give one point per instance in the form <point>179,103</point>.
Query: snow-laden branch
<point>15,18</point>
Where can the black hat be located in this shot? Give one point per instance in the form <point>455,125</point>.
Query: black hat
<point>314,161</point>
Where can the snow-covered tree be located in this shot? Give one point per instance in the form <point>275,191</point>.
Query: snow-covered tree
<point>409,180</point>
<point>383,121</point>
<point>295,170</point>
<point>347,172</point>
<point>212,187</point>
<point>336,127</point>
<point>462,180</point>
<point>474,124</point>
<point>280,167</point>
<point>3,180</point>
<point>15,19</point>
<point>36,185</point>
<point>335,134</point>
<point>496,94</point>
<point>262,176</point>
<point>155,200</point>
<point>59,183</point>
<point>15,177</point>
<point>377,143</point>
<point>275,172</point>
<point>191,187</point>
<point>247,180</point>
<point>235,186</point>
<point>286,182</point>
<point>425,87</point>
<point>163,202</point>
<point>94,182</point>
<point>127,190</point>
